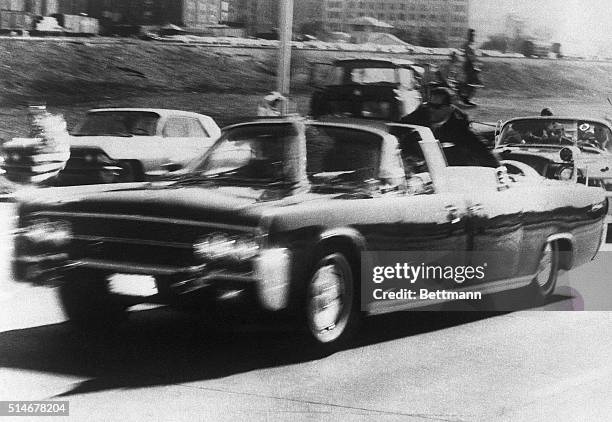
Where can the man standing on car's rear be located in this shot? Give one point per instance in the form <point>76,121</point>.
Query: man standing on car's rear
<point>452,126</point>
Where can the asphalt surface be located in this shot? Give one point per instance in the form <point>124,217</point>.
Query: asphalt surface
<point>528,365</point>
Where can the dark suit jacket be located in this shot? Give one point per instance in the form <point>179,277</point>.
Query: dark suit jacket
<point>468,149</point>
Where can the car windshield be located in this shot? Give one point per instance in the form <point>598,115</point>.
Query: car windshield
<point>362,108</point>
<point>557,132</point>
<point>118,123</point>
<point>273,153</point>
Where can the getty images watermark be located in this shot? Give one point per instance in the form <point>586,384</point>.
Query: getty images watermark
<point>472,280</point>
<point>419,274</point>
<point>416,279</point>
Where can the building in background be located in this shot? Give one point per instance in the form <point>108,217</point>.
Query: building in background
<point>237,12</point>
<point>514,26</point>
<point>446,17</point>
<point>190,14</point>
<point>367,29</point>
<point>262,16</point>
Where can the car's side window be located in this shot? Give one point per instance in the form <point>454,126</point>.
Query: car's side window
<point>176,127</point>
<point>197,130</point>
<point>593,134</point>
<point>606,139</point>
<point>183,127</point>
<point>352,152</point>
<point>407,79</point>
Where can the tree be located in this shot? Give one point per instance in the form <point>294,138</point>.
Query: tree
<point>404,35</point>
<point>527,48</point>
<point>427,37</point>
<point>497,42</point>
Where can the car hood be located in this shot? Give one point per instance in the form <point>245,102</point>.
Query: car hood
<point>223,204</point>
<point>119,147</point>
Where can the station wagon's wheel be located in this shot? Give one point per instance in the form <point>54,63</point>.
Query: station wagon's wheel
<point>548,267</point>
<point>88,303</point>
<point>332,302</point>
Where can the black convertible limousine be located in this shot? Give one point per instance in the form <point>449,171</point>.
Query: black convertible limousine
<point>280,212</point>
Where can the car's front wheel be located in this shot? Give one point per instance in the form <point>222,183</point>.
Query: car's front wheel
<point>332,302</point>
<point>545,280</point>
<point>88,303</point>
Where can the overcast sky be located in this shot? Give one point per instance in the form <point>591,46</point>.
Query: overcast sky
<point>577,24</point>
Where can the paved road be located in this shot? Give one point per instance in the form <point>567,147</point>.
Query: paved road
<point>523,366</point>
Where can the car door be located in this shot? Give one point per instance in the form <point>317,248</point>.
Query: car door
<point>403,220</point>
<point>419,232</point>
<point>496,231</point>
<point>184,139</point>
<point>432,223</point>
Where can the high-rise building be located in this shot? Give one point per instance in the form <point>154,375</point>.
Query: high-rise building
<point>446,17</point>
<point>262,16</point>
<point>259,16</point>
<point>238,11</point>
<point>192,14</point>
<point>514,26</point>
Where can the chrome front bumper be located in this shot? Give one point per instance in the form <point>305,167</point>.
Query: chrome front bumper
<point>270,275</point>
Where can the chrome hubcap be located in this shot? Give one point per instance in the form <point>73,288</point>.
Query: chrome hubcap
<point>325,305</point>
<point>545,266</point>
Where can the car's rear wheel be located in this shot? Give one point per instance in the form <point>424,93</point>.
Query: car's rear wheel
<point>545,280</point>
<point>88,303</point>
<point>332,303</point>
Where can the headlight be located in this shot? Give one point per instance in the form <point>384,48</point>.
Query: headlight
<point>220,246</point>
<point>565,173</point>
<point>566,154</point>
<point>56,233</point>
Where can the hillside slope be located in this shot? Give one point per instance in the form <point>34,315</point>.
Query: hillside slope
<point>69,73</point>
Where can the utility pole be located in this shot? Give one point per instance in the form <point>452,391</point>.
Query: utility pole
<point>284,59</point>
